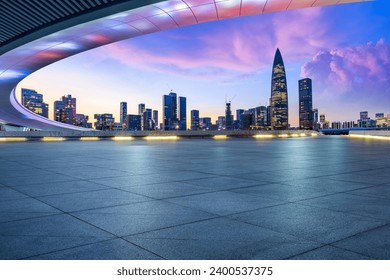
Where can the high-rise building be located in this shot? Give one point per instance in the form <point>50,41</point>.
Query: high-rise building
<point>364,116</point>
<point>228,116</point>
<point>365,120</point>
<point>305,104</point>
<point>169,107</point>
<point>323,122</point>
<point>315,119</point>
<point>261,117</point>
<point>279,98</point>
<point>221,122</point>
<point>174,106</point>
<point>247,120</point>
<point>155,119</point>
<point>205,123</point>
<point>379,115</point>
<point>239,112</point>
<point>33,101</point>
<point>65,110</point>
<point>252,111</point>
<point>167,112</point>
<point>82,120</point>
<point>268,116</point>
<point>195,125</point>
<point>104,121</point>
<point>141,109</point>
<point>147,122</point>
<point>182,112</point>
<point>133,122</point>
<point>123,112</point>
<point>381,120</point>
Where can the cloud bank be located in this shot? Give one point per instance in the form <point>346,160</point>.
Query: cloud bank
<point>352,73</point>
<point>228,50</point>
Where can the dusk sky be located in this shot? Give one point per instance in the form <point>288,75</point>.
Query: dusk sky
<point>344,49</point>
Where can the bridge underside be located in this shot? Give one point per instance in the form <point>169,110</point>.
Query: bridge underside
<point>37,33</point>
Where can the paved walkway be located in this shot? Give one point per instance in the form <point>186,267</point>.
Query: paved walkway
<point>305,198</point>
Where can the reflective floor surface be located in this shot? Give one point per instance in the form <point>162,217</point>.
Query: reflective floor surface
<point>305,198</point>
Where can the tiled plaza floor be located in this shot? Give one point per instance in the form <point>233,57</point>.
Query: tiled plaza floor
<point>305,198</point>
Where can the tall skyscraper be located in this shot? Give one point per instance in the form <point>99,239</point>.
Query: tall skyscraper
<point>33,101</point>
<point>239,112</point>
<point>247,120</point>
<point>221,122</point>
<point>169,107</point>
<point>182,113</point>
<point>305,104</point>
<point>133,122</point>
<point>279,98</point>
<point>155,119</point>
<point>261,117</point>
<point>65,110</point>
<point>123,112</point>
<point>141,109</point>
<point>195,120</point>
<point>228,116</point>
<point>315,119</point>
<point>147,123</point>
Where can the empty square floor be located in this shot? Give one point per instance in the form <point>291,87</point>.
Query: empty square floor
<point>321,197</point>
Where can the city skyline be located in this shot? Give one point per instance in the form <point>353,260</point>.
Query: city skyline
<point>191,63</point>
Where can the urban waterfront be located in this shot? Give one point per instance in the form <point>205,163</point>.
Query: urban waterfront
<point>322,197</point>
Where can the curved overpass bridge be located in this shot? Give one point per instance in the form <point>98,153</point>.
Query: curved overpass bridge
<point>37,33</point>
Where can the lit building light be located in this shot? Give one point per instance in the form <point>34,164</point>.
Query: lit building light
<point>53,139</point>
<point>263,136</point>
<point>161,138</point>
<point>376,137</point>
<point>123,138</point>
<point>13,139</point>
<point>89,138</point>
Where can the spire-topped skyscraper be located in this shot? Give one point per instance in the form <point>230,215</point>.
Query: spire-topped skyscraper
<point>279,98</point>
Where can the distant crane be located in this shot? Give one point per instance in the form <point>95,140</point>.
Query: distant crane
<point>230,100</point>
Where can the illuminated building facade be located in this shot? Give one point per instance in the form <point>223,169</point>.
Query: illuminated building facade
<point>279,98</point>
<point>261,117</point>
<point>123,112</point>
<point>305,104</point>
<point>33,101</point>
<point>170,111</point>
<point>205,123</point>
<point>195,122</point>
<point>155,118</point>
<point>65,110</point>
<point>133,122</point>
<point>81,120</point>
<point>147,121</point>
<point>228,116</point>
<point>182,113</point>
<point>104,121</point>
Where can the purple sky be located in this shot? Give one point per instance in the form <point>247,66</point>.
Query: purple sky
<point>344,49</point>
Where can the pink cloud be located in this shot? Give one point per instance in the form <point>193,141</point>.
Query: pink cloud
<point>300,34</point>
<point>352,73</point>
<point>228,50</point>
